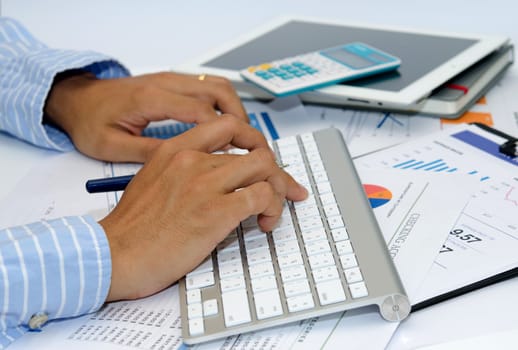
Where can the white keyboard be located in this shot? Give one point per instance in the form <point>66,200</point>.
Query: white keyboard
<point>325,255</point>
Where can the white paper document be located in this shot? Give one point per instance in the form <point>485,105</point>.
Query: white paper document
<point>407,208</point>
<point>483,240</point>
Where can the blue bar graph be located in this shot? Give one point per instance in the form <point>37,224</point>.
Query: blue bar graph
<point>412,165</point>
<point>435,166</point>
<point>429,163</point>
<point>404,163</point>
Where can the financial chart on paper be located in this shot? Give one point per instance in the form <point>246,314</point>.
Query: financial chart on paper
<point>484,239</point>
<point>483,242</point>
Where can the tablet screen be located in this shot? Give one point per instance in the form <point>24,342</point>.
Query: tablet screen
<point>419,53</point>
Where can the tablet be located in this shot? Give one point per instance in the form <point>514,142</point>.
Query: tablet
<point>429,59</point>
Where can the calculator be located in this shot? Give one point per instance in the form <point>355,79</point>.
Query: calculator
<point>320,68</point>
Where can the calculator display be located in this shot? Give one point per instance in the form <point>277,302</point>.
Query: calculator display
<point>355,56</point>
<point>349,59</point>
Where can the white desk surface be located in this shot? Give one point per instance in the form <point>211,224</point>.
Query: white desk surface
<point>154,35</point>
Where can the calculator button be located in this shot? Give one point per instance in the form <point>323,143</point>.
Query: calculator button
<point>265,66</point>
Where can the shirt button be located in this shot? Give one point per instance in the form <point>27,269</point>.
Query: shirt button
<point>38,320</point>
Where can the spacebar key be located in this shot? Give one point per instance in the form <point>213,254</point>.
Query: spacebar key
<point>235,307</point>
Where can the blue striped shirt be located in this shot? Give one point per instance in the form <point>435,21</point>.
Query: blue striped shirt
<point>57,268</point>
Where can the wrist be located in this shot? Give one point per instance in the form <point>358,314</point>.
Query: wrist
<point>64,97</point>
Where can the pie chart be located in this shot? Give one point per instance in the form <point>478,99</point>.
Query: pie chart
<point>377,195</point>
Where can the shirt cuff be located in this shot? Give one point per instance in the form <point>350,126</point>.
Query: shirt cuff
<point>30,84</point>
<point>58,268</point>
<point>99,65</point>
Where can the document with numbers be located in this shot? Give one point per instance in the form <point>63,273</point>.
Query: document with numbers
<point>484,239</point>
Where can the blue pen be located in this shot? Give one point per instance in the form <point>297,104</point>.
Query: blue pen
<point>109,184</point>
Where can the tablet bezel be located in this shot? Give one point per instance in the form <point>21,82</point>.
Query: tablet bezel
<point>409,97</point>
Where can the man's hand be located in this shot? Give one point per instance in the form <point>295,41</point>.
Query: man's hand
<point>105,118</point>
<point>185,200</point>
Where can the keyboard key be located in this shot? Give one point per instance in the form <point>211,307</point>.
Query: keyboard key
<point>314,234</point>
<point>307,211</point>
<point>330,292</point>
<point>335,222</point>
<point>232,283</point>
<point>210,307</point>
<point>344,247</point>
<point>228,256</point>
<point>193,296</point>
<point>199,281</point>
<point>317,247</point>
<point>310,201</point>
<point>353,275</point>
<point>339,234</point>
<point>324,187</point>
<point>348,261</point>
<point>328,198</point>
<point>267,304</point>
<point>310,222</point>
<point>262,269</point>
<point>358,290</point>
<point>293,273</point>
<point>284,222</point>
<point>320,176</point>
<point>264,283</point>
<point>331,210</point>
<point>286,234</point>
<point>296,287</point>
<point>252,233</point>
<point>231,269</point>
<point>194,310</point>
<point>257,243</point>
<point>235,307</point>
<point>300,302</point>
<point>289,260</point>
<point>196,327</point>
<point>321,260</point>
<point>287,247</point>
<point>258,256</point>
<point>325,274</point>
<point>317,167</point>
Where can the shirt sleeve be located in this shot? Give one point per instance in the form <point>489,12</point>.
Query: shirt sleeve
<point>48,269</point>
<point>51,269</point>
<point>27,70</point>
